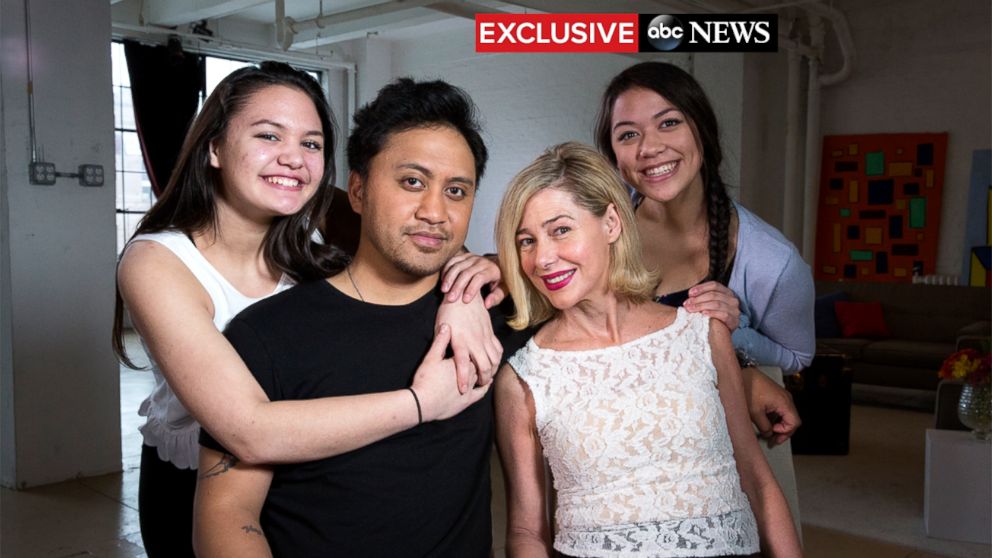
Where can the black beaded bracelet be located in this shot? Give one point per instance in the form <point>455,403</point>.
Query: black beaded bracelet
<point>420,415</point>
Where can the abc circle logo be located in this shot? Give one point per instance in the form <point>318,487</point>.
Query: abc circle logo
<point>665,32</point>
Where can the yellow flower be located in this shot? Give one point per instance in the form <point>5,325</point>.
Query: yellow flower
<point>963,366</point>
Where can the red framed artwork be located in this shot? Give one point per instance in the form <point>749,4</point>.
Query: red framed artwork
<point>879,207</point>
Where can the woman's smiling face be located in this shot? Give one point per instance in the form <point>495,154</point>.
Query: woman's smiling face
<point>564,249</point>
<point>655,145</point>
<point>271,158</point>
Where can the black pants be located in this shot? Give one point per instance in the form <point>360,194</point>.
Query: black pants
<point>165,506</point>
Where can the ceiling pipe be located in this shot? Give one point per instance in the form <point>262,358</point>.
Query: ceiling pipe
<point>296,27</point>
<point>224,47</point>
<point>842,31</point>
<point>467,10</point>
<point>284,34</point>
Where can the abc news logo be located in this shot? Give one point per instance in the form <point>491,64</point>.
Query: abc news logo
<point>708,33</point>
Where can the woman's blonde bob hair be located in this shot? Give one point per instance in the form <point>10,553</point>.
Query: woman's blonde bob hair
<point>594,185</point>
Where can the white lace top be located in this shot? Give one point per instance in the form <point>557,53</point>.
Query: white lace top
<point>169,426</point>
<point>637,441</point>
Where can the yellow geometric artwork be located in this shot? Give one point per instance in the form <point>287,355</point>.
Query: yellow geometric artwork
<point>899,272</point>
<point>873,235</point>
<point>852,149</point>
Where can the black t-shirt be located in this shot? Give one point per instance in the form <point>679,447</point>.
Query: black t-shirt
<point>421,492</point>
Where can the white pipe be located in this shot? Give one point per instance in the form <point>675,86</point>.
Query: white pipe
<point>296,27</point>
<point>843,33</point>
<point>464,9</point>
<point>788,43</point>
<point>27,52</point>
<point>812,166</point>
<point>284,34</point>
<point>224,47</point>
<point>352,98</point>
<point>792,198</point>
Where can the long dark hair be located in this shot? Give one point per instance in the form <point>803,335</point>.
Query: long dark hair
<point>685,93</point>
<point>188,203</point>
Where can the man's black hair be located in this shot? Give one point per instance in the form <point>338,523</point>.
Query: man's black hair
<point>406,104</point>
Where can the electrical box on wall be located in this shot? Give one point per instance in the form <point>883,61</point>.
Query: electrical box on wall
<point>42,174</point>
<point>90,175</point>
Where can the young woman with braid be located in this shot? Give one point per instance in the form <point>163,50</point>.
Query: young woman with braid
<point>714,256</point>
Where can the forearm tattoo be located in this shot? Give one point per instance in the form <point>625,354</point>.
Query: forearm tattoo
<point>226,463</point>
<point>249,529</point>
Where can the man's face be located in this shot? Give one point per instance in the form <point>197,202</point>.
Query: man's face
<point>416,201</point>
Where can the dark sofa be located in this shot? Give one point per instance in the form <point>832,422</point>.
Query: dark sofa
<point>925,323</point>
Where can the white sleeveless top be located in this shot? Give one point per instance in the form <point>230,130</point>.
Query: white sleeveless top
<point>637,440</point>
<point>169,427</point>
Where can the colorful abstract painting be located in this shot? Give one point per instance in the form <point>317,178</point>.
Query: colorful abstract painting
<point>879,206</point>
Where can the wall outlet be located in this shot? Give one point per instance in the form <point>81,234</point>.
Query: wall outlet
<point>42,173</point>
<point>90,175</point>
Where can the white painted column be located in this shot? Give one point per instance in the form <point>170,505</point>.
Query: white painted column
<point>60,381</point>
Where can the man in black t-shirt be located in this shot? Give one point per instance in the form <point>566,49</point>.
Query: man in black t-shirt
<point>410,471</point>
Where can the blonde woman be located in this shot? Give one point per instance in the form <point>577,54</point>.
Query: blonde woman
<point>638,407</point>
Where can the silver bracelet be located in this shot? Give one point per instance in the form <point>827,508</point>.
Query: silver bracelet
<point>744,359</point>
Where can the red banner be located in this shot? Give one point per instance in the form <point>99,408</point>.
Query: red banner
<point>556,33</point>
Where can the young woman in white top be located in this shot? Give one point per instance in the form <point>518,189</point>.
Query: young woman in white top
<point>236,224</point>
<point>638,407</point>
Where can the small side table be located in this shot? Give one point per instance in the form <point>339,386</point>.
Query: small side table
<point>822,394</point>
<point>957,500</point>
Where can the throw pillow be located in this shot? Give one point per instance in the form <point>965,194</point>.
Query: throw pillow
<point>861,319</point>
<point>824,317</point>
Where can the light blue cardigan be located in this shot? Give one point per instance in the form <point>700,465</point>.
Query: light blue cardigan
<point>775,289</point>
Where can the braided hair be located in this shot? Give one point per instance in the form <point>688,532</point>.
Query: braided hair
<point>684,92</point>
